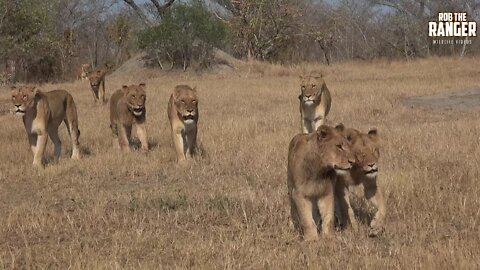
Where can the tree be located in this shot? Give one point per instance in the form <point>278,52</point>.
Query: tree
<point>186,33</point>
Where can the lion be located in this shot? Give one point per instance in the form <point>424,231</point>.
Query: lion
<point>183,117</point>
<point>315,102</point>
<point>43,112</point>
<point>314,161</point>
<point>83,71</point>
<point>364,171</point>
<point>97,78</point>
<point>127,108</point>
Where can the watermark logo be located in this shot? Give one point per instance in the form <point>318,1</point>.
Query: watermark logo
<point>454,26</point>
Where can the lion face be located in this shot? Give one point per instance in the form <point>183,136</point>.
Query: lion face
<point>311,88</point>
<point>95,78</point>
<point>365,148</point>
<point>135,98</point>
<point>86,69</point>
<point>186,102</point>
<point>23,99</point>
<point>335,149</point>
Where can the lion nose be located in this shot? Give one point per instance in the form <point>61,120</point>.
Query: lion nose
<point>371,164</point>
<point>190,110</point>
<point>18,106</point>
<point>308,96</point>
<point>351,161</point>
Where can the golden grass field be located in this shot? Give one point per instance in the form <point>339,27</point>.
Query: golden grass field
<point>229,209</point>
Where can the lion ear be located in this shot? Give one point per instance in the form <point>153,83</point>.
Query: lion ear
<point>124,88</point>
<point>34,90</point>
<point>340,127</point>
<point>323,131</point>
<point>194,89</point>
<point>373,134</point>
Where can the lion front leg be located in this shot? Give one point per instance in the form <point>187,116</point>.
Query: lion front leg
<point>179,144</point>
<point>142,136</point>
<point>375,195</point>
<point>191,139</point>
<point>40,149</point>
<point>124,133</point>
<point>32,140</point>
<point>57,143</point>
<point>326,207</point>
<point>103,91</point>
<point>307,126</point>
<point>320,120</point>
<point>304,210</point>
<point>347,216</point>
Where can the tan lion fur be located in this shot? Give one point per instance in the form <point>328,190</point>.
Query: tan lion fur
<point>127,108</point>
<point>314,160</point>
<point>364,171</point>
<point>315,102</point>
<point>97,79</point>
<point>183,117</point>
<point>43,112</point>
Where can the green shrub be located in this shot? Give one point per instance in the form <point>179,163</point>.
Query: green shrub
<point>186,33</point>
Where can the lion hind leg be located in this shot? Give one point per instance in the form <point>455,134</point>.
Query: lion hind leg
<point>71,121</point>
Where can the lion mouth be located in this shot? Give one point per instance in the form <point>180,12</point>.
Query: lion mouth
<point>342,168</point>
<point>138,111</point>
<point>188,117</point>
<point>19,111</point>
<point>371,172</point>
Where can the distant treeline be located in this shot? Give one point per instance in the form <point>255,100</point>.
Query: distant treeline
<point>49,40</point>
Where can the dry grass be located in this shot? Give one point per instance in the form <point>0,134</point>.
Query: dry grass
<point>229,209</point>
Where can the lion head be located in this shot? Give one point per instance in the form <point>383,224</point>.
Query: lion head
<point>95,78</point>
<point>135,97</point>
<point>86,69</point>
<point>334,149</point>
<point>311,87</point>
<point>23,98</point>
<point>186,102</point>
<point>365,148</point>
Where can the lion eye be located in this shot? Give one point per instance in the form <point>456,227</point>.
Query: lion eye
<point>313,85</point>
<point>183,102</point>
<point>194,101</point>
<point>24,97</point>
<point>339,147</point>
<point>303,87</point>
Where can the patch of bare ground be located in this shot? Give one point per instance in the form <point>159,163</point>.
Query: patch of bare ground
<point>229,209</point>
<point>464,100</point>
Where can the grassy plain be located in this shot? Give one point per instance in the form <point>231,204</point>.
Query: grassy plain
<point>229,209</point>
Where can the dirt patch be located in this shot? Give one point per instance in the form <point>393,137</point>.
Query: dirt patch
<point>465,100</point>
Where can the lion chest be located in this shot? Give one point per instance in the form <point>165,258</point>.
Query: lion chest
<point>34,125</point>
<point>312,111</point>
<point>189,125</point>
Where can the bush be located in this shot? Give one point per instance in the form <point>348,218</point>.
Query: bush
<point>186,33</point>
